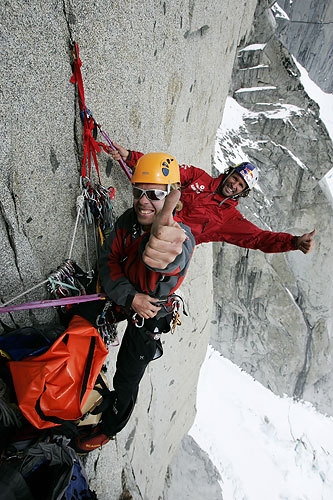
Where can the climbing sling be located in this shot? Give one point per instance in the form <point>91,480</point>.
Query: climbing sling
<point>91,146</point>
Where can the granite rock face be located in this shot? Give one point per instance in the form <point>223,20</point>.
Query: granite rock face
<point>192,474</point>
<point>302,21</point>
<point>156,77</point>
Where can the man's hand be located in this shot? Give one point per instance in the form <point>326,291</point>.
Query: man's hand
<point>166,236</point>
<point>119,153</point>
<point>306,242</point>
<point>144,306</point>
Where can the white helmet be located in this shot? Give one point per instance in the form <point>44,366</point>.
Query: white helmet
<point>248,172</point>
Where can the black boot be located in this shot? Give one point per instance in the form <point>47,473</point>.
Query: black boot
<point>114,420</point>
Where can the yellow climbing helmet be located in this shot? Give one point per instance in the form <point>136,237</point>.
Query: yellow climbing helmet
<point>156,168</point>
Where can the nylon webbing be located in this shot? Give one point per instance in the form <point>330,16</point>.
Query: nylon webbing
<point>90,146</point>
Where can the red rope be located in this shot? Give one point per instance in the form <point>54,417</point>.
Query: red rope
<point>90,146</point>
<point>76,77</point>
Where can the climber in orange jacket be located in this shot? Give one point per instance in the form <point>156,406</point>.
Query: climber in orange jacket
<point>209,207</point>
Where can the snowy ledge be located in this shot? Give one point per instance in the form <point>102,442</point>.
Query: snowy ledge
<point>255,89</point>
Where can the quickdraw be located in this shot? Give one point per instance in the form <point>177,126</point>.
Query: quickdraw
<point>171,305</point>
<point>176,321</point>
<point>106,328</point>
<point>68,280</point>
<point>97,206</point>
<point>176,303</point>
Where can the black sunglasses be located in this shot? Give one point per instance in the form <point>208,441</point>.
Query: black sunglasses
<point>152,194</point>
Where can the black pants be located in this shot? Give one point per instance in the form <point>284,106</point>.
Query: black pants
<point>137,350</point>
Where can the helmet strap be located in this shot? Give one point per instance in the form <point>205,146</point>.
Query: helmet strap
<point>244,193</point>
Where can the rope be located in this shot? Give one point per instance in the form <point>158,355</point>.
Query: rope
<point>86,244</point>
<point>24,293</point>
<point>42,304</point>
<point>79,204</point>
<point>110,143</point>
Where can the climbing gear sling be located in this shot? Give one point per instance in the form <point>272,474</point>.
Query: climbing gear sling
<point>91,146</point>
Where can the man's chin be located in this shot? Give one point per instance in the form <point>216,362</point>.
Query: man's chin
<point>145,222</point>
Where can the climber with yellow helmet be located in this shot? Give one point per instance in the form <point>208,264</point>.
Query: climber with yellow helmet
<point>143,262</point>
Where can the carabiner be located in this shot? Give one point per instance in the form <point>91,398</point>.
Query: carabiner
<point>136,321</point>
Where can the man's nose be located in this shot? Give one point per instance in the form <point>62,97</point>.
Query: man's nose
<point>144,198</point>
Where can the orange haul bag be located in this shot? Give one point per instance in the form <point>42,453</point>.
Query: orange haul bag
<point>53,387</point>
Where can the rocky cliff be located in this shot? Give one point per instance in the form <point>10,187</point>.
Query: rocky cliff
<point>274,317</point>
<point>303,21</point>
<point>272,313</point>
<point>156,77</point>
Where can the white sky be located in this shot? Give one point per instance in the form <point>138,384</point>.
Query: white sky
<point>264,446</point>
